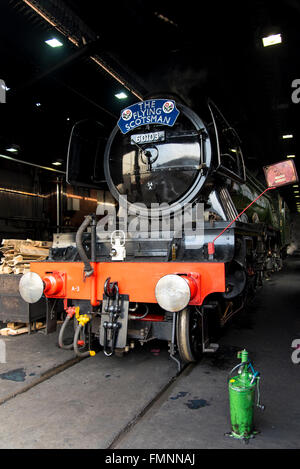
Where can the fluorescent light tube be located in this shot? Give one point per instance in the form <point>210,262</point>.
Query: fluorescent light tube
<point>54,42</point>
<point>121,95</point>
<point>272,40</point>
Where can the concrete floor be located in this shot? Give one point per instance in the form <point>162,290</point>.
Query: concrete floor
<point>196,414</point>
<point>88,404</point>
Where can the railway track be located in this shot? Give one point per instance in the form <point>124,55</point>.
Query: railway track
<point>149,408</point>
<point>44,377</point>
<point>152,406</point>
<point>152,378</point>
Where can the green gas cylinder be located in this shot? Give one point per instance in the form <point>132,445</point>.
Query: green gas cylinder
<point>241,398</point>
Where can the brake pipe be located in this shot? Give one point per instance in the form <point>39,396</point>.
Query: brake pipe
<point>142,316</point>
<point>211,245</point>
<point>88,269</point>
<point>82,319</point>
<point>71,311</point>
<point>94,300</point>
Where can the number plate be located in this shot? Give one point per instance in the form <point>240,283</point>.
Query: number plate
<point>150,137</point>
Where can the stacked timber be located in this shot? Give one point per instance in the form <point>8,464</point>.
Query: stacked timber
<point>15,328</point>
<point>18,253</point>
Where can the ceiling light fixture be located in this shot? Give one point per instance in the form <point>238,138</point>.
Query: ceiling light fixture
<point>287,136</point>
<point>62,30</point>
<point>57,163</point>
<point>12,150</point>
<point>54,42</point>
<point>291,156</point>
<point>272,40</point>
<point>115,76</point>
<point>121,95</point>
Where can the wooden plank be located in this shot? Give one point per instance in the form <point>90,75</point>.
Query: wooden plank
<point>19,270</point>
<point>6,331</point>
<point>18,253</point>
<point>33,251</point>
<point>15,325</point>
<point>18,259</point>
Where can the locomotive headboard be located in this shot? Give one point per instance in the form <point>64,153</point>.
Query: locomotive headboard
<point>159,152</point>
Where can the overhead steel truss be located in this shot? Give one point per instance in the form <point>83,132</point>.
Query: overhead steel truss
<point>69,24</point>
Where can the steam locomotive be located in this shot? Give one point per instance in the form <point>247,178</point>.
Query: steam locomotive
<point>140,268</point>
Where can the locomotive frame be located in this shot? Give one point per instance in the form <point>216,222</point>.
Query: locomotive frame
<point>119,289</point>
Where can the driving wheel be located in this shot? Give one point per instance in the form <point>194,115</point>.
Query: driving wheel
<point>189,335</point>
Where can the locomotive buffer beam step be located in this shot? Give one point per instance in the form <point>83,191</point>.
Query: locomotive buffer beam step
<point>207,347</point>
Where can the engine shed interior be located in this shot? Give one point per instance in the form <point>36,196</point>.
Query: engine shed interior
<point>149,226</point>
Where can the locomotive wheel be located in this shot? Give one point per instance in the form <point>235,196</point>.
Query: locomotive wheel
<point>189,335</point>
